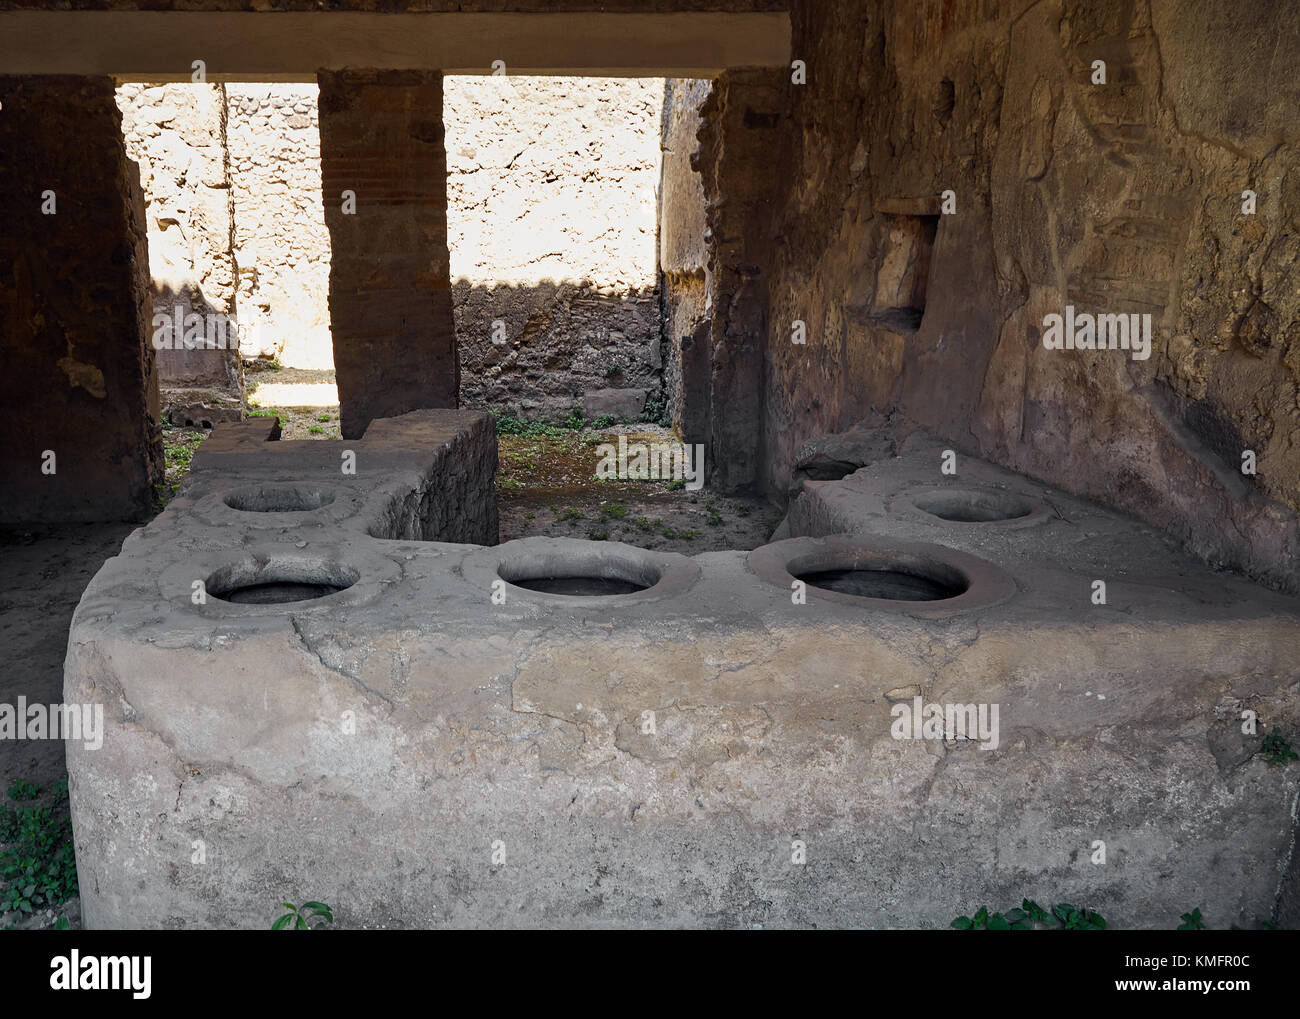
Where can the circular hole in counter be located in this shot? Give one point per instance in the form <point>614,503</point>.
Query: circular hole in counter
<point>883,574</point>
<point>974,506</point>
<point>580,587</point>
<point>598,572</point>
<point>279,499</point>
<point>889,581</point>
<point>279,581</point>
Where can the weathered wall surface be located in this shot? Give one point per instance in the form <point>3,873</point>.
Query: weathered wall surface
<point>281,242</point>
<point>743,138</point>
<point>78,378</point>
<point>177,136</point>
<point>1117,198</point>
<point>552,212</point>
<point>684,261</point>
<point>552,206</point>
<point>231,177</point>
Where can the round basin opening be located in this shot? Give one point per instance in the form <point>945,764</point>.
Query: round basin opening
<point>279,499</point>
<point>888,576</point>
<point>585,587</point>
<point>277,581</point>
<point>890,584</point>
<point>827,470</point>
<point>879,574</point>
<point>973,507</point>
<point>596,574</point>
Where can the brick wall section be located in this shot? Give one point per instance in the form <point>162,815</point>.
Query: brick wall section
<point>390,296</point>
<point>78,374</point>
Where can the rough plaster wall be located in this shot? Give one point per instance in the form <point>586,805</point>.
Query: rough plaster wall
<point>231,176</point>
<point>78,373</point>
<point>177,136</point>
<point>552,210</point>
<point>575,270</point>
<point>281,242</point>
<point>1117,198</point>
<point>684,261</point>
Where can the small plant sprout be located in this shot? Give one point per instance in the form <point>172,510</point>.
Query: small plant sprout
<point>1031,916</point>
<point>309,916</point>
<point>23,790</point>
<point>38,869</point>
<point>1276,751</point>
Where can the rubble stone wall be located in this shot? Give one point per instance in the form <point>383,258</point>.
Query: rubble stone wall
<point>552,199</point>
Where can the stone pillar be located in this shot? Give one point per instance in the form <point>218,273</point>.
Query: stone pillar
<point>684,260</point>
<point>390,287</point>
<point>743,152</point>
<point>79,428</point>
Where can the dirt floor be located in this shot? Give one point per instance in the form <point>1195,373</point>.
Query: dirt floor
<point>546,481</point>
<point>546,485</point>
<point>46,568</point>
<point>271,393</point>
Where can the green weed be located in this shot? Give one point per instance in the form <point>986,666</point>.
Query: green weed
<point>1031,916</point>
<point>38,868</point>
<point>22,791</point>
<point>656,412</point>
<point>304,917</point>
<point>1276,750</point>
<point>268,412</point>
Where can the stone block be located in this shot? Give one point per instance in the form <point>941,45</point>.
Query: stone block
<point>434,734</point>
<point>622,404</point>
